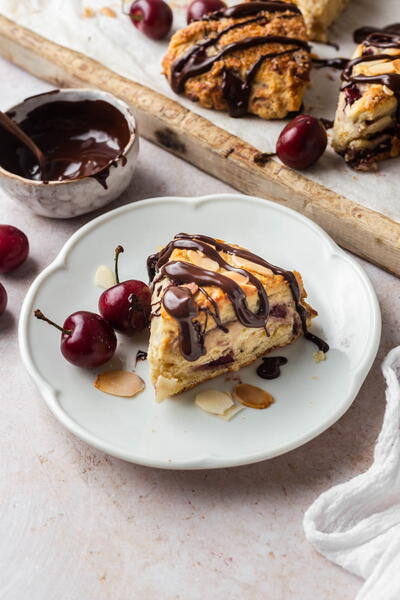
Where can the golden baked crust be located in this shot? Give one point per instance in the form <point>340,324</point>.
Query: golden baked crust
<point>366,127</point>
<point>319,15</point>
<point>228,344</point>
<point>279,83</point>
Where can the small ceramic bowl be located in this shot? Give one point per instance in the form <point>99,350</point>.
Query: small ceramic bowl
<point>69,198</point>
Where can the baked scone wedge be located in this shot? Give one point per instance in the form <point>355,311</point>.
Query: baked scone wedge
<point>367,122</point>
<point>319,15</point>
<point>248,58</point>
<point>216,308</point>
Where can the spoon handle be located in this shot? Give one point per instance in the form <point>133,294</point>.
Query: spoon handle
<point>16,130</point>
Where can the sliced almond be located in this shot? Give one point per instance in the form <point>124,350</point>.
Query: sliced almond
<point>378,68</point>
<point>108,12</point>
<point>396,64</point>
<point>214,401</point>
<point>319,356</point>
<point>193,287</point>
<point>200,260</point>
<point>251,395</point>
<point>238,277</point>
<point>388,91</point>
<point>243,263</point>
<point>88,13</point>
<point>119,383</point>
<point>104,277</point>
<point>231,412</point>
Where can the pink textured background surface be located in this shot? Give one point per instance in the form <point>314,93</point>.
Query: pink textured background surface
<point>76,524</point>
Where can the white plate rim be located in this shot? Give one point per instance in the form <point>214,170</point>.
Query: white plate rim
<point>50,395</point>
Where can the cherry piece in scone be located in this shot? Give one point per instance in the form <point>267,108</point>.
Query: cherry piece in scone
<point>199,8</point>
<point>3,299</point>
<point>87,340</point>
<point>127,305</point>
<point>302,142</point>
<point>152,17</point>
<point>14,248</point>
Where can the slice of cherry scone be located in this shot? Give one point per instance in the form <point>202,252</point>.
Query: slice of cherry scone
<point>249,58</point>
<point>367,122</point>
<point>319,15</point>
<point>216,308</point>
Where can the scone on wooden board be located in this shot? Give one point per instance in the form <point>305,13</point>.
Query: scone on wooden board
<point>248,58</point>
<point>319,15</point>
<point>367,123</point>
<point>216,308</point>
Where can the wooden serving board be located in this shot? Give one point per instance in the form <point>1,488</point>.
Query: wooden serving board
<point>195,139</point>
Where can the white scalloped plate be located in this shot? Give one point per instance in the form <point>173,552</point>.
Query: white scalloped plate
<point>176,434</point>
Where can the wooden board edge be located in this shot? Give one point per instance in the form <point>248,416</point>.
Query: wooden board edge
<point>196,140</point>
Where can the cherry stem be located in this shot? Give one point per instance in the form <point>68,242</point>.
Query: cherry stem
<point>123,8</point>
<point>39,315</point>
<point>118,251</point>
<point>137,17</point>
<point>128,14</point>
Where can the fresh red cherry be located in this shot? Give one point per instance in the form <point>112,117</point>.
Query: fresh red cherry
<point>127,305</point>
<point>3,299</point>
<point>87,340</point>
<point>14,248</point>
<point>199,8</point>
<point>302,142</point>
<point>152,17</point>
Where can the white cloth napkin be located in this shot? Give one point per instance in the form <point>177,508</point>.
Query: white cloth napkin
<point>357,524</point>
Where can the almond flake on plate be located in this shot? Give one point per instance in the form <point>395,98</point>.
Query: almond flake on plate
<point>104,277</point>
<point>319,356</point>
<point>108,12</point>
<point>252,396</point>
<point>119,383</point>
<point>88,13</point>
<point>214,401</point>
<point>231,412</point>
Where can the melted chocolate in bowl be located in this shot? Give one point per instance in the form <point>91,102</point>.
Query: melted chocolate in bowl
<point>78,138</point>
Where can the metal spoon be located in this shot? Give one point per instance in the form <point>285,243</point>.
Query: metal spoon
<point>16,130</point>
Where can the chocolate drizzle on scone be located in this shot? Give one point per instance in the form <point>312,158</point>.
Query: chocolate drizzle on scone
<point>235,91</point>
<point>210,55</point>
<point>374,34</point>
<point>178,301</point>
<point>372,129</point>
<point>391,80</point>
<point>251,8</point>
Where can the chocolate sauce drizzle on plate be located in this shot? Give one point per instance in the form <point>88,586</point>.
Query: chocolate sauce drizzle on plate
<point>79,139</point>
<point>235,90</point>
<point>179,301</point>
<point>270,367</point>
<point>140,355</point>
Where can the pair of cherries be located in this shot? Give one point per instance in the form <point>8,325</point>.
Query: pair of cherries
<point>154,17</point>
<point>88,339</point>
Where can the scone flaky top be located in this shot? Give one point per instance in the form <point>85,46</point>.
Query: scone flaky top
<point>249,58</point>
